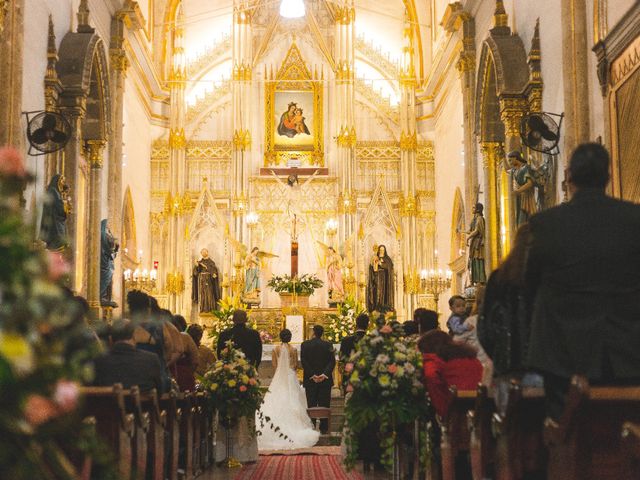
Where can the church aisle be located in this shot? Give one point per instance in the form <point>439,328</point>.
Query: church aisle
<point>290,467</point>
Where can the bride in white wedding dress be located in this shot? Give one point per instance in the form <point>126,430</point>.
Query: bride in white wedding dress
<point>285,404</point>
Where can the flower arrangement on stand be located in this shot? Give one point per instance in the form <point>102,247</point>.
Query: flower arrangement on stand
<point>234,386</point>
<point>224,315</point>
<point>343,323</point>
<point>385,378</point>
<point>304,285</point>
<point>44,350</point>
<point>234,392</point>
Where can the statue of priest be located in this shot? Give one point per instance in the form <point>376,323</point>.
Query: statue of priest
<point>206,283</point>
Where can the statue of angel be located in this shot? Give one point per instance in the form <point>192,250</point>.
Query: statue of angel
<point>294,193</point>
<point>529,181</point>
<point>251,262</point>
<point>334,273</point>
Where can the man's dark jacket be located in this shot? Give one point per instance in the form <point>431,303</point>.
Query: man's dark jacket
<point>317,358</point>
<point>348,344</point>
<point>126,365</point>
<point>584,270</point>
<point>245,339</point>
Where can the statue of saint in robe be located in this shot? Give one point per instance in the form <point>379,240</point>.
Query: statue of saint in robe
<point>53,228</point>
<point>334,276</point>
<point>380,287</point>
<point>108,252</point>
<point>476,246</point>
<point>206,283</point>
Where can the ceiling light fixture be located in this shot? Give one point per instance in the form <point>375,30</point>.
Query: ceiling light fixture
<point>292,8</point>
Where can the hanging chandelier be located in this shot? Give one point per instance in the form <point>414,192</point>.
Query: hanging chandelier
<point>292,8</point>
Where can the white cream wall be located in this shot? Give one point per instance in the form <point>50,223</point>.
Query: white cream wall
<point>137,137</point>
<point>448,137</point>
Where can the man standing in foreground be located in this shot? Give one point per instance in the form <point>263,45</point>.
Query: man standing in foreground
<point>245,339</point>
<point>318,361</point>
<point>584,273</point>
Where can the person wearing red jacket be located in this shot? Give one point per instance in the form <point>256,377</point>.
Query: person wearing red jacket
<point>447,363</point>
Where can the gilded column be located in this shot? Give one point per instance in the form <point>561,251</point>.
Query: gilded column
<point>94,151</point>
<point>466,66</point>
<point>408,169</point>
<point>345,122</point>
<point>11,44</point>
<point>575,74</point>
<point>52,89</point>
<point>242,76</point>
<point>177,168</point>
<point>119,64</point>
<point>492,155</point>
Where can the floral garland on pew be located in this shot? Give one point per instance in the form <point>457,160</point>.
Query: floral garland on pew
<point>233,386</point>
<point>44,351</point>
<point>385,376</point>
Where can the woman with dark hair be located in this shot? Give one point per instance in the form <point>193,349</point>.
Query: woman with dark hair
<point>447,363</point>
<point>206,357</point>
<point>504,320</point>
<point>427,320</point>
<point>185,366</point>
<point>285,404</point>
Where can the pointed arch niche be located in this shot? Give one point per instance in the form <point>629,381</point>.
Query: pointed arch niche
<point>129,243</point>
<point>457,256</point>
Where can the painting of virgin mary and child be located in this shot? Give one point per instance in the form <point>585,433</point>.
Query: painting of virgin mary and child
<point>292,122</point>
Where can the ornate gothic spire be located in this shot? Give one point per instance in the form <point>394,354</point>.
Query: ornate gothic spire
<point>83,18</point>
<point>500,17</point>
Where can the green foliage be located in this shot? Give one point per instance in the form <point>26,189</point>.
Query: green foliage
<point>45,349</point>
<point>304,285</point>
<point>343,323</point>
<point>234,386</point>
<point>385,375</point>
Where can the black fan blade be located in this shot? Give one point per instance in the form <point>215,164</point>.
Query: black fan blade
<point>547,134</point>
<point>59,136</point>
<point>40,136</point>
<point>536,123</point>
<point>49,121</point>
<point>533,139</point>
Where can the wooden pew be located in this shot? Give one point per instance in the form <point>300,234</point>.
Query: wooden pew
<point>205,431</point>
<point>481,442</point>
<point>186,401</point>
<point>169,403</point>
<point>586,443</point>
<point>141,429</point>
<point>520,449</point>
<point>631,448</point>
<point>113,423</point>
<point>455,431</point>
<point>155,435</point>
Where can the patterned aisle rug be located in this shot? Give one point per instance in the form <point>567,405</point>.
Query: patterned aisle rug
<point>297,467</point>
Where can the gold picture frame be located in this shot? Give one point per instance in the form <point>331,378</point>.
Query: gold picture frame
<point>294,117</point>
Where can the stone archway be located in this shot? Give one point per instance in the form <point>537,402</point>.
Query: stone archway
<point>502,84</point>
<point>85,101</point>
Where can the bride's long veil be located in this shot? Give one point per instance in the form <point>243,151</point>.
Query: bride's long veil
<point>286,406</point>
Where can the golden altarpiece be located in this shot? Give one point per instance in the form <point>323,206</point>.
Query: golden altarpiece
<point>292,104</point>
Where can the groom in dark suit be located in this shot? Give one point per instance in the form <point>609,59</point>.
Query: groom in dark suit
<point>318,362</point>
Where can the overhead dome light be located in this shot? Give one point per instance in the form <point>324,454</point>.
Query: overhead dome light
<point>292,8</point>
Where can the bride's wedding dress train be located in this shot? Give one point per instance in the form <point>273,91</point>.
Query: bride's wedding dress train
<point>286,406</point>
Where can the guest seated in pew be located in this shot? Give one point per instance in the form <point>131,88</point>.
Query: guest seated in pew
<point>583,273</point>
<point>185,367</point>
<point>426,320</point>
<point>470,337</point>
<point>504,322</point>
<point>206,356</point>
<point>154,332</point>
<point>447,363</point>
<point>127,365</point>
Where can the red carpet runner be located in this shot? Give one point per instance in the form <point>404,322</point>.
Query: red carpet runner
<point>297,467</point>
